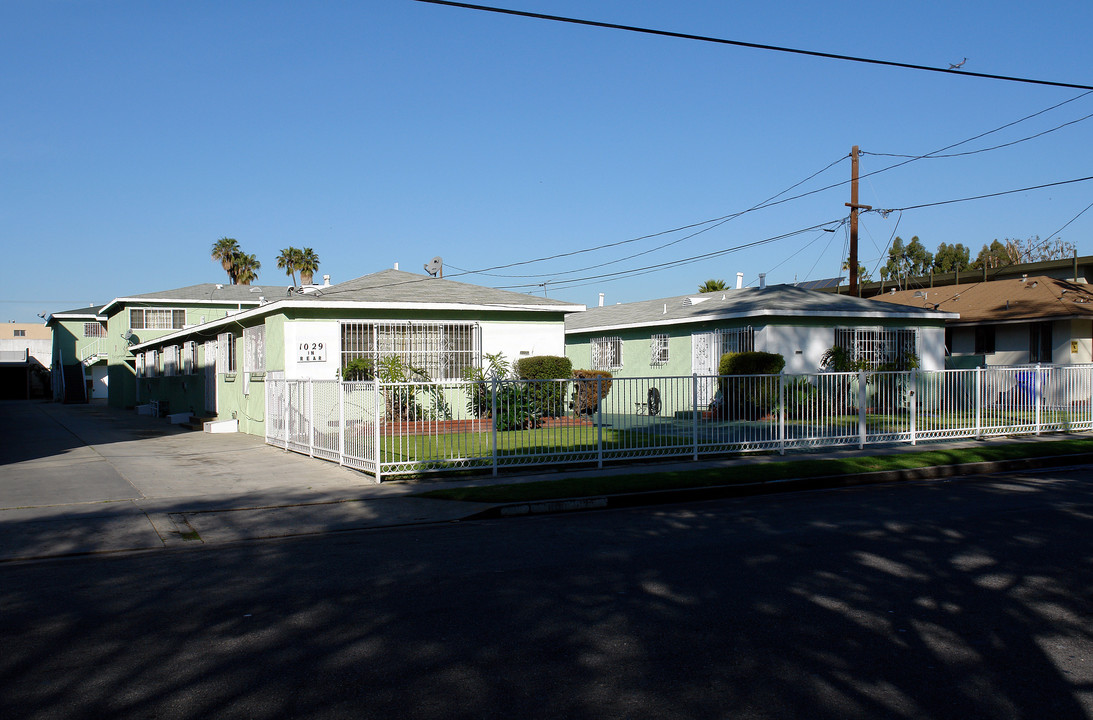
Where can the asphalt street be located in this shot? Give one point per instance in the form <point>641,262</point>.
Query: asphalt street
<point>966,598</point>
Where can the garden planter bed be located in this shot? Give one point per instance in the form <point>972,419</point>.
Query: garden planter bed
<point>436,427</point>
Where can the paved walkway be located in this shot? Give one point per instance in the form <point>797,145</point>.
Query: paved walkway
<point>77,479</point>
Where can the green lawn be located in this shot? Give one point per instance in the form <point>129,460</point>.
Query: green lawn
<point>755,472</point>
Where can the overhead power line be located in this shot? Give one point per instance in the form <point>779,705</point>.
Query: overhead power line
<point>755,46</point>
<point>982,197</point>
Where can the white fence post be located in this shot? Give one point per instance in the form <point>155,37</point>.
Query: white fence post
<point>694,413</point>
<point>493,421</point>
<point>311,417</point>
<point>341,423</point>
<point>861,409</point>
<point>979,403</point>
<point>914,403</point>
<point>782,411</point>
<point>1037,389</point>
<point>599,421</point>
<point>377,434</point>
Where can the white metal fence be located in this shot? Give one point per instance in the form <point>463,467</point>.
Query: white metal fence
<point>403,428</point>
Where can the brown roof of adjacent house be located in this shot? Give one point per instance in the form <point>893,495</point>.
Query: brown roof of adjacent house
<point>1020,300</point>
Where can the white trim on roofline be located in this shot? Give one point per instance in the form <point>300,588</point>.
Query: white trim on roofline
<point>691,320</point>
<point>191,301</point>
<point>276,305</point>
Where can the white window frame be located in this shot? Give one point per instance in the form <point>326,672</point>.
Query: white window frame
<point>157,318</point>
<point>442,349</point>
<point>254,349</point>
<point>94,330</point>
<point>877,346</point>
<point>189,357</point>
<point>606,353</point>
<point>225,354</point>
<point>170,361</point>
<point>658,349</point>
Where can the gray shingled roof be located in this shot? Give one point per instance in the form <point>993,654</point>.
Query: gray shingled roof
<point>772,301</point>
<point>396,286</point>
<point>84,311</point>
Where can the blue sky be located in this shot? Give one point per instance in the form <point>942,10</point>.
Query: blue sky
<point>134,134</point>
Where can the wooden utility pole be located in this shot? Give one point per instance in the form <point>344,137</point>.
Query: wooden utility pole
<point>854,207</point>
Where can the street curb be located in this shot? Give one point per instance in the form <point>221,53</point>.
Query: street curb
<point>770,487</point>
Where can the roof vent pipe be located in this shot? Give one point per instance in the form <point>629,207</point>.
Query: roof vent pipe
<point>739,280</point>
<point>326,281</point>
<point>601,299</point>
<point>762,280</point>
<point>396,266</point>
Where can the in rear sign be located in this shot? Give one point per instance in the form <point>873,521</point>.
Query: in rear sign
<point>312,352</point>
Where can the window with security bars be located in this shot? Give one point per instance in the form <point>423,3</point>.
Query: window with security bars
<point>140,366</point>
<point>94,330</point>
<point>254,349</point>
<point>877,347</point>
<point>659,349</point>
<point>151,363</point>
<point>189,357</point>
<point>606,353</point>
<point>156,319</point>
<point>735,340</point>
<point>442,350</point>
<point>170,361</point>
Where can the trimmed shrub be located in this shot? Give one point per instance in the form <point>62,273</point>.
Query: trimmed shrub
<point>517,409</point>
<point>547,398</point>
<point>747,398</point>
<point>589,388</point>
<point>751,363</point>
<point>544,367</point>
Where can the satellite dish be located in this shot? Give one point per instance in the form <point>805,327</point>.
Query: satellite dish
<point>128,336</point>
<point>435,267</point>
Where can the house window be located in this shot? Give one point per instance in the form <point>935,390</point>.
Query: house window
<point>877,347</point>
<point>20,333</point>
<point>1039,342</point>
<point>734,340</point>
<point>225,353</point>
<point>659,349</point>
<point>984,340</point>
<point>156,319</point>
<point>170,361</point>
<point>254,349</point>
<point>189,357</point>
<point>442,350</point>
<point>606,353</point>
<point>94,330</point>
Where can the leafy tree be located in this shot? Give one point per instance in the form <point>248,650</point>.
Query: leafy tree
<point>246,268</point>
<point>308,265</point>
<point>1035,250</point>
<point>993,256</point>
<point>910,260</point>
<point>289,261</point>
<point>952,258</point>
<point>712,286</point>
<point>224,250</point>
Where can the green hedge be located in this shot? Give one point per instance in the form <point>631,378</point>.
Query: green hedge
<point>747,398</point>
<point>751,363</point>
<point>544,367</point>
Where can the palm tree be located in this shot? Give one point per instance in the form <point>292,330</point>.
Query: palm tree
<point>225,249</point>
<point>246,268</point>
<point>289,261</point>
<point>307,264</point>
<point>712,286</point>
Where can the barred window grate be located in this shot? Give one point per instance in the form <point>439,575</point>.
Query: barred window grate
<point>606,353</point>
<point>876,347</point>
<point>736,340</point>
<point>442,350</point>
<point>659,349</point>
<point>94,330</point>
<point>254,349</point>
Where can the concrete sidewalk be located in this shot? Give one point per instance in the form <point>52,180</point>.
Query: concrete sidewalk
<point>79,479</point>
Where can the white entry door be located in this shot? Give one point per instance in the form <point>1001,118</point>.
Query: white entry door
<point>704,364</point>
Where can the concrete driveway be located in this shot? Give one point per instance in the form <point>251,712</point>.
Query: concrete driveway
<point>88,478</point>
